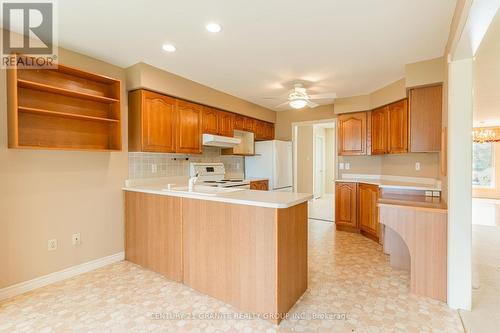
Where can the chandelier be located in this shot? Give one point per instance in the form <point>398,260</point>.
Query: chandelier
<point>484,136</point>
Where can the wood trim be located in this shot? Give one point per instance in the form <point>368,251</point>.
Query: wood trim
<point>12,103</point>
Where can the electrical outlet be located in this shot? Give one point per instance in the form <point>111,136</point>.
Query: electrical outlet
<point>76,239</point>
<point>154,168</point>
<point>347,166</point>
<point>341,166</point>
<point>417,166</point>
<point>52,244</point>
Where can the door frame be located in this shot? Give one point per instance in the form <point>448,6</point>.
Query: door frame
<point>323,162</point>
<point>295,126</point>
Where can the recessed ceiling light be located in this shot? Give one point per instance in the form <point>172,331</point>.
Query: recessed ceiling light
<point>213,27</point>
<point>168,48</point>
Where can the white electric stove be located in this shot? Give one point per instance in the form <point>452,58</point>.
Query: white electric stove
<point>214,174</point>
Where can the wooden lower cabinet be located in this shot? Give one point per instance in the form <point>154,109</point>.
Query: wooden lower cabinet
<point>262,185</point>
<point>346,217</point>
<point>356,208</point>
<point>153,233</point>
<point>368,210</point>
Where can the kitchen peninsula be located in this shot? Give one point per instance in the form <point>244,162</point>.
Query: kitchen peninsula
<point>247,248</point>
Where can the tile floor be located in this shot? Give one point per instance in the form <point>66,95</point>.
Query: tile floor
<point>349,277</point>
<point>485,314</point>
<point>322,208</point>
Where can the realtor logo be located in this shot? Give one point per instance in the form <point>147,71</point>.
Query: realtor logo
<point>28,29</point>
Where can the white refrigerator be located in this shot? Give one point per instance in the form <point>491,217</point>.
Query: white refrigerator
<point>273,161</point>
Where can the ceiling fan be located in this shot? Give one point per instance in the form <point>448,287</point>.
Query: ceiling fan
<point>299,98</point>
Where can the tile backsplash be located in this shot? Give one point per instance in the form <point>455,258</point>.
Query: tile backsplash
<point>153,165</point>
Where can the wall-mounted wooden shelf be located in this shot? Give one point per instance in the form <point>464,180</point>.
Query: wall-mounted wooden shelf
<point>63,109</point>
<point>65,115</point>
<point>66,92</point>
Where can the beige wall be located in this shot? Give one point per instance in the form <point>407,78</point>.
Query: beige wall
<point>424,72</point>
<point>404,165</point>
<point>143,75</point>
<point>284,119</point>
<point>393,165</point>
<point>53,194</point>
<point>305,159</point>
<point>369,165</point>
<point>352,104</point>
<point>388,94</point>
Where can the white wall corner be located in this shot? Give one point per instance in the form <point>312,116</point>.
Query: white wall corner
<point>460,184</point>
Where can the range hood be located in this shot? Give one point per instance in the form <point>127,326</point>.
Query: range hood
<point>220,141</point>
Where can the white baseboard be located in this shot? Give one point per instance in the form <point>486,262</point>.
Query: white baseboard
<point>21,288</point>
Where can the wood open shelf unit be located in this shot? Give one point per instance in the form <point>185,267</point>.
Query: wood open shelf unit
<point>63,109</point>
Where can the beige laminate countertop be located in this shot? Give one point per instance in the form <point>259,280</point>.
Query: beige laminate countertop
<point>269,199</point>
<point>414,201</point>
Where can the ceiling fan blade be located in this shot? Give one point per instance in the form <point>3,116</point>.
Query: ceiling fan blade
<point>281,105</point>
<point>312,104</point>
<point>323,96</point>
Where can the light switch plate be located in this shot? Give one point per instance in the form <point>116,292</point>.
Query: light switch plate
<point>347,166</point>
<point>341,166</point>
<point>417,166</point>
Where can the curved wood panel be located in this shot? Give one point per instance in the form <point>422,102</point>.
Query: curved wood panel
<point>425,234</point>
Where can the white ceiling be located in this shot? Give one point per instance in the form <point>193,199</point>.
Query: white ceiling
<point>350,47</point>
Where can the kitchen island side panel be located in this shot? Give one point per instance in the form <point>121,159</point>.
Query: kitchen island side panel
<point>229,252</point>
<point>292,255</point>
<point>153,233</point>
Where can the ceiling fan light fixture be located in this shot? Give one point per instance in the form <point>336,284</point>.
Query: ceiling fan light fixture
<point>297,103</point>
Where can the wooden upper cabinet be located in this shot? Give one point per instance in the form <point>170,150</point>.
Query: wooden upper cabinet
<point>398,127</point>
<point>210,120</point>
<point>346,206</point>
<point>239,122</point>
<point>189,128</point>
<point>226,123</point>
<point>151,122</point>
<point>269,131</point>
<point>425,118</point>
<point>263,130</point>
<point>249,124</point>
<point>352,134</point>
<point>379,131</point>
<point>389,129</point>
<point>368,210</point>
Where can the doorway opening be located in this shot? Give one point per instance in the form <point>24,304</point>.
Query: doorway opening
<point>315,165</point>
